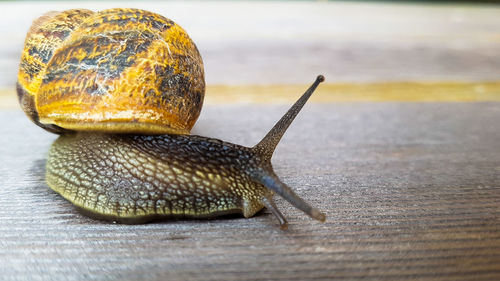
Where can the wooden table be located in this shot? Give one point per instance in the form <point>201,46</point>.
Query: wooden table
<point>411,191</point>
<point>407,173</point>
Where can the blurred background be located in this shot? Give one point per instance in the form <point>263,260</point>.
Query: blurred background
<point>265,51</point>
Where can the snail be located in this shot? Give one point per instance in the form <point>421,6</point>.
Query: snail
<point>123,88</point>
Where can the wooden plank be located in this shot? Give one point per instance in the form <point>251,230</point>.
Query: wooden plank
<point>411,191</point>
<point>287,42</point>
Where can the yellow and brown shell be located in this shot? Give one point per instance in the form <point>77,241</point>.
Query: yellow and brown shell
<point>117,70</point>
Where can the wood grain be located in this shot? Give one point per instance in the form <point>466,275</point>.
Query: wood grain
<point>411,192</point>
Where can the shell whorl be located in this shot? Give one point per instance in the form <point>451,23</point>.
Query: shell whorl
<point>118,70</point>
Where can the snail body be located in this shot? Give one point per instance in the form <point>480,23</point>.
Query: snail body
<point>137,178</point>
<point>123,88</point>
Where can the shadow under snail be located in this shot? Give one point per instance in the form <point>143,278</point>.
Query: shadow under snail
<point>123,88</point>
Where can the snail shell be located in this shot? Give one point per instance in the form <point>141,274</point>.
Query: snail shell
<point>118,70</point>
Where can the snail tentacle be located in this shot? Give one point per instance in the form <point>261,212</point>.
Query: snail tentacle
<point>266,146</point>
<point>271,206</point>
<point>265,174</point>
<point>272,182</point>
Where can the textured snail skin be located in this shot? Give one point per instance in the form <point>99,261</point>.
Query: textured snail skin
<point>138,178</point>
<point>133,179</point>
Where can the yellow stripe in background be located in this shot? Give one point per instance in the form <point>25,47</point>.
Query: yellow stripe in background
<point>362,92</point>
<point>341,92</point>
